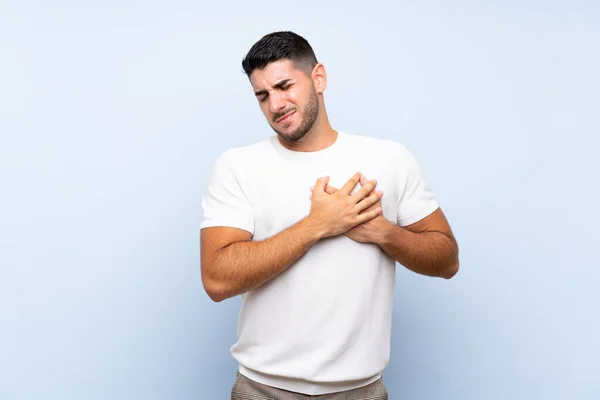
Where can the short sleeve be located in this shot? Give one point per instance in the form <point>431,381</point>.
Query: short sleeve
<point>416,200</point>
<point>225,203</point>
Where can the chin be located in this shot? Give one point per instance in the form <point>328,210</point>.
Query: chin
<point>287,133</point>
<point>291,136</point>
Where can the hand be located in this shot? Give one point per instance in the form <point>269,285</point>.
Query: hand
<point>336,213</point>
<point>367,231</point>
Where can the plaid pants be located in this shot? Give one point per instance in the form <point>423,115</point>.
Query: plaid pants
<point>247,389</point>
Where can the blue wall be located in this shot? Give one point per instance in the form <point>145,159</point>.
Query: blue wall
<point>112,113</point>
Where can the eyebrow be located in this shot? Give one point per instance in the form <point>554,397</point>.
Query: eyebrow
<point>278,85</point>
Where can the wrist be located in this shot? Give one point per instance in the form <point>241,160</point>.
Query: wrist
<point>313,228</point>
<point>385,232</point>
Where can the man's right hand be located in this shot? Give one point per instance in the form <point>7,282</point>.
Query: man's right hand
<point>334,214</point>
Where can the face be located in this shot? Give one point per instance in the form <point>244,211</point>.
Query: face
<point>288,98</point>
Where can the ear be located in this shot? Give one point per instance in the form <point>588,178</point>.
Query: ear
<point>319,77</point>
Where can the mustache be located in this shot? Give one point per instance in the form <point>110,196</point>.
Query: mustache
<point>281,114</point>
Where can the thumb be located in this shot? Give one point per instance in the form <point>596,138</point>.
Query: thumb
<point>320,185</point>
<point>330,189</point>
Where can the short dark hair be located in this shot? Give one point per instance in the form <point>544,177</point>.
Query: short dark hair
<point>284,45</point>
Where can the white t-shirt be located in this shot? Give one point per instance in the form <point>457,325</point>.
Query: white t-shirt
<point>324,324</point>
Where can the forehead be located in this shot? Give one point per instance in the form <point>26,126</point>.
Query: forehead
<point>273,73</point>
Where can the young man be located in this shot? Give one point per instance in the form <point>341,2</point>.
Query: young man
<point>307,226</point>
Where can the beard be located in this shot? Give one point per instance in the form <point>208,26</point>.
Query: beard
<point>309,117</point>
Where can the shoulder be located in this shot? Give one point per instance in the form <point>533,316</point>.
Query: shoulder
<point>242,156</point>
<point>390,149</point>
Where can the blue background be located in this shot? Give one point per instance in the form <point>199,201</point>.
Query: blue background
<point>112,114</point>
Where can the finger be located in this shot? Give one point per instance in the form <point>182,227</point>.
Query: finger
<point>348,186</point>
<point>375,205</point>
<point>368,201</point>
<point>369,215</point>
<point>363,180</point>
<point>365,190</point>
<point>330,189</point>
<point>320,184</point>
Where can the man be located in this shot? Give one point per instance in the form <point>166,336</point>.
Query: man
<point>307,226</point>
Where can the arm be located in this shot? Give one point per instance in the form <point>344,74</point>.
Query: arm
<point>231,264</point>
<point>426,247</point>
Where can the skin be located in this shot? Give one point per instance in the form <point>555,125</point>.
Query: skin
<point>427,247</point>
<point>281,88</point>
<point>232,264</point>
<point>291,99</point>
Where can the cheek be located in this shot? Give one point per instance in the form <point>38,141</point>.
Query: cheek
<point>298,97</point>
<point>264,107</point>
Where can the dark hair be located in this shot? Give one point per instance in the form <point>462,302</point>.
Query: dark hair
<point>280,46</point>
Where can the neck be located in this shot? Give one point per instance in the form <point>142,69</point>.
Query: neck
<point>320,137</point>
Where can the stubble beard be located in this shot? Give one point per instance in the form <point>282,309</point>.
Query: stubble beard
<point>309,117</point>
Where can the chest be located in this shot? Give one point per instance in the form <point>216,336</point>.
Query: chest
<point>280,197</point>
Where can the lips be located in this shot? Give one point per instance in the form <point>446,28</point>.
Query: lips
<point>286,116</point>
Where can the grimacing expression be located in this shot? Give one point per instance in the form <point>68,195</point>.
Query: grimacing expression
<point>287,98</point>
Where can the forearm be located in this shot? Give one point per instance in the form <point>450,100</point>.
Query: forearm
<point>429,253</point>
<point>243,266</point>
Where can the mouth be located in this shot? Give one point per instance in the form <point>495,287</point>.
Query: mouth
<point>285,117</point>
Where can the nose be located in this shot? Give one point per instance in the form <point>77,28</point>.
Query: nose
<point>276,102</point>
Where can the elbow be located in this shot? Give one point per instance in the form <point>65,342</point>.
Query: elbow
<point>451,268</point>
<point>214,294</point>
<point>449,271</point>
<point>212,287</point>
